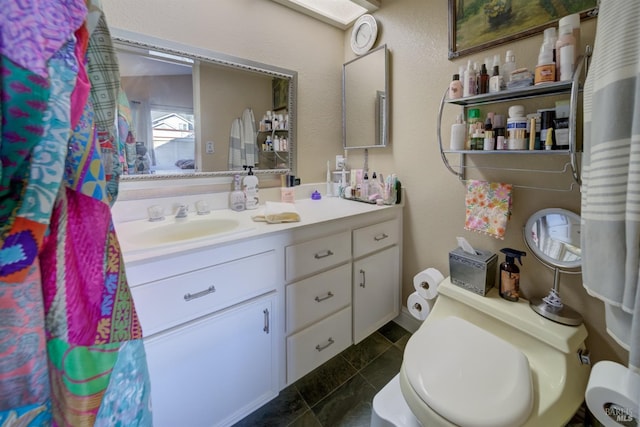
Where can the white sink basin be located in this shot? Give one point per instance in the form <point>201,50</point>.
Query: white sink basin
<point>146,234</point>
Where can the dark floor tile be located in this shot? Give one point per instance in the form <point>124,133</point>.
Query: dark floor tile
<point>324,379</point>
<point>361,354</point>
<point>308,419</point>
<point>402,342</point>
<point>281,411</point>
<point>379,372</point>
<point>393,332</point>
<point>348,406</point>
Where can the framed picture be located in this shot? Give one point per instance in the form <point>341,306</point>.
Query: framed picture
<point>280,93</point>
<point>475,25</point>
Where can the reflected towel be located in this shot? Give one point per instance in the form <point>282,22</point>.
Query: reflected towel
<point>249,138</point>
<point>277,212</point>
<point>236,158</point>
<point>488,206</point>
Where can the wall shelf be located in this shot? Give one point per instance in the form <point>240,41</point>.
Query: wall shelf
<point>572,87</point>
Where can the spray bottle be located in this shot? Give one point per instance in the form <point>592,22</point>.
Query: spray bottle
<point>510,274</point>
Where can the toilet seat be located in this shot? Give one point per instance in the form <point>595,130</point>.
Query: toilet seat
<point>468,375</point>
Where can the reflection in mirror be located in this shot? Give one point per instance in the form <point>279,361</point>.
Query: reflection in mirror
<point>194,111</point>
<point>365,104</point>
<point>553,236</point>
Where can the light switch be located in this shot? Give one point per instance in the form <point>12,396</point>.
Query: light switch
<point>209,147</point>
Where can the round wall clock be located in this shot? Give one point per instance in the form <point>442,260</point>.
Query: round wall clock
<point>364,34</point>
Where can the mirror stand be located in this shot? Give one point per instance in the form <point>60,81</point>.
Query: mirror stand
<point>552,308</point>
<point>553,236</point>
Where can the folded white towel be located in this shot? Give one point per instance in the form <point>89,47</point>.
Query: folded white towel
<point>277,212</point>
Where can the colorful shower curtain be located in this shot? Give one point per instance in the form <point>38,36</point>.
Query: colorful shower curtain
<point>71,350</point>
<point>611,173</point>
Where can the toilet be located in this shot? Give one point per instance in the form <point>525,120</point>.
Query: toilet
<point>482,361</point>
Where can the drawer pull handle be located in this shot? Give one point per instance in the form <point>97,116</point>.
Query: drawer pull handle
<point>322,347</point>
<point>329,295</point>
<point>364,278</point>
<point>324,254</point>
<point>188,297</point>
<point>380,237</point>
<point>266,321</point>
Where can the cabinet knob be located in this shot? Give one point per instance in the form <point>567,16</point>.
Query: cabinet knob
<point>364,279</point>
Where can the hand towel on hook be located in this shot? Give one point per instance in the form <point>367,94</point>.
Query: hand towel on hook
<point>488,207</point>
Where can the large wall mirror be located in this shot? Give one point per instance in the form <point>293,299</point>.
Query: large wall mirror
<point>365,104</point>
<point>195,112</point>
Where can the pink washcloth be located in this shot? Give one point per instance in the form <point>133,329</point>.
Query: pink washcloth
<point>488,206</point>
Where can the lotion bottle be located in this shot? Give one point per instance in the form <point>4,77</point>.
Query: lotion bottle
<point>510,274</point>
<point>508,67</point>
<point>236,197</point>
<point>250,188</point>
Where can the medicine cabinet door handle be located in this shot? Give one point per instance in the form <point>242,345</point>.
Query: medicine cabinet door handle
<point>324,254</point>
<point>364,278</point>
<point>380,237</point>
<point>320,299</point>
<point>266,321</point>
<point>322,347</point>
<point>188,297</point>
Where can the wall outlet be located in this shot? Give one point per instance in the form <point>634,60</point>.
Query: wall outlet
<point>209,147</point>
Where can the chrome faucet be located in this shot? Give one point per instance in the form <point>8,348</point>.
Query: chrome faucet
<point>182,211</point>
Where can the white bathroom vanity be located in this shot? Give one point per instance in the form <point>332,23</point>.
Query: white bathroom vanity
<point>231,319</point>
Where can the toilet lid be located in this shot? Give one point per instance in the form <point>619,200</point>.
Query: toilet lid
<point>468,375</point>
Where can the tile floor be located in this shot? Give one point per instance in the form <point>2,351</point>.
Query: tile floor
<point>340,392</point>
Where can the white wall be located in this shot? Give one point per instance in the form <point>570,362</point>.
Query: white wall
<point>416,34</point>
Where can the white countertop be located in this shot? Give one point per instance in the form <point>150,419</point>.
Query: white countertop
<point>311,212</point>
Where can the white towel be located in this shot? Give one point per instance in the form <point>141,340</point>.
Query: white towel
<point>277,212</point>
<point>611,173</point>
<point>236,157</point>
<point>249,138</point>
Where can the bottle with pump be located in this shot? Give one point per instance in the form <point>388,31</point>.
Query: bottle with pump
<point>510,274</point>
<point>236,197</point>
<point>250,188</point>
<point>470,81</point>
<point>508,67</point>
<point>483,80</point>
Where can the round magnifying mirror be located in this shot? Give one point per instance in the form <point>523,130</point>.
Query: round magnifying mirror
<point>553,236</point>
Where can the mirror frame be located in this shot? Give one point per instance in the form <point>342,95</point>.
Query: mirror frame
<point>149,42</point>
<point>544,258</point>
<point>382,116</point>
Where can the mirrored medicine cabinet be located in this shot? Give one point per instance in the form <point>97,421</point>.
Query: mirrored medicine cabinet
<point>365,101</point>
<point>183,102</point>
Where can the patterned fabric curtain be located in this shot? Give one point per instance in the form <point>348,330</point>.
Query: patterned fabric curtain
<point>71,350</point>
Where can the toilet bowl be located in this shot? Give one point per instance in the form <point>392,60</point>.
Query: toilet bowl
<point>483,361</point>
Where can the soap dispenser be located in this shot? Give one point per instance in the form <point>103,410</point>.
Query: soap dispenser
<point>236,197</point>
<point>250,188</point>
<point>510,274</point>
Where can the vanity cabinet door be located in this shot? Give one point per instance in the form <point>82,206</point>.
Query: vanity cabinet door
<point>376,291</point>
<point>215,370</point>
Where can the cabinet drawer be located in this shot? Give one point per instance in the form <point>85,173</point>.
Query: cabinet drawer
<point>175,300</point>
<point>313,346</point>
<point>309,257</point>
<point>318,296</point>
<point>374,237</point>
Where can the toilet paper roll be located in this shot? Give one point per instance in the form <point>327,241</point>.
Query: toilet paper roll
<point>612,393</point>
<point>426,283</point>
<point>418,306</point>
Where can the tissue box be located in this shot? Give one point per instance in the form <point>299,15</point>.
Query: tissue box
<point>475,273</point>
